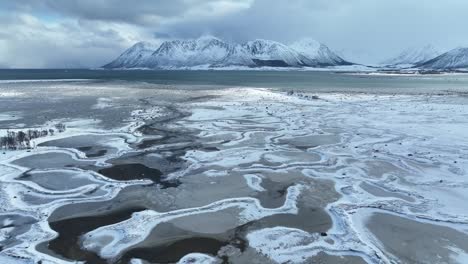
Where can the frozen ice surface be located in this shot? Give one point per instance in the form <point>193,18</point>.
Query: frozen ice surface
<point>265,156</point>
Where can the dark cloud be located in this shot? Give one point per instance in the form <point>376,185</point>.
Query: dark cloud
<point>118,10</point>
<point>92,31</point>
<point>145,12</point>
<point>367,29</point>
<point>28,42</point>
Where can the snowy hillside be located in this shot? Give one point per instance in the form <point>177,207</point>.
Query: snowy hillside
<point>414,56</point>
<point>272,53</point>
<point>317,54</point>
<point>134,56</point>
<point>454,59</point>
<point>186,53</point>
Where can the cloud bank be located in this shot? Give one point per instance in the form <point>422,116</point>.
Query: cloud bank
<point>89,33</point>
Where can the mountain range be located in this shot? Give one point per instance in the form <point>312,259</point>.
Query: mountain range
<point>212,52</point>
<point>428,58</point>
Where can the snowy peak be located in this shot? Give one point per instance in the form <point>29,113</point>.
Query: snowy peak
<point>183,46</point>
<point>187,53</point>
<point>209,41</point>
<point>261,47</point>
<point>454,59</point>
<point>214,52</point>
<point>414,56</point>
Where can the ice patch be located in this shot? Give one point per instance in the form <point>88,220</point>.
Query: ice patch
<point>197,258</point>
<point>254,182</point>
<point>10,94</point>
<point>149,113</point>
<point>279,243</point>
<point>10,116</point>
<point>103,103</point>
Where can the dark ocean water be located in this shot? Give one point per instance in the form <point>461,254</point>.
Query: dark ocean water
<point>204,153</point>
<point>305,80</point>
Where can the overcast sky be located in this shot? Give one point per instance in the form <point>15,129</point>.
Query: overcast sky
<point>89,33</point>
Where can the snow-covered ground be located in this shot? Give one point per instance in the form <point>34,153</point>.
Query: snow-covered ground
<point>340,162</point>
<point>410,148</point>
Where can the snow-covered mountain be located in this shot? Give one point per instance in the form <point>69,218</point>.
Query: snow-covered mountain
<point>213,52</point>
<point>414,56</point>
<point>317,54</point>
<point>454,59</point>
<point>134,56</point>
<point>187,53</point>
<point>272,53</point>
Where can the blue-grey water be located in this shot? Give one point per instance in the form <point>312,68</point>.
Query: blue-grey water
<point>241,175</point>
<point>305,80</point>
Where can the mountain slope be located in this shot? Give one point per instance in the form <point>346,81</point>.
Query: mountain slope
<point>186,53</point>
<point>213,52</point>
<point>414,56</point>
<point>316,54</point>
<point>454,59</point>
<point>134,56</point>
<point>272,53</point>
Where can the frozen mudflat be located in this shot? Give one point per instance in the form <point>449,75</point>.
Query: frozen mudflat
<point>147,173</point>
